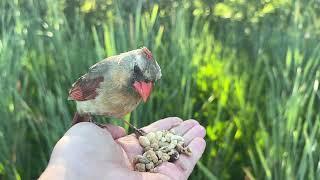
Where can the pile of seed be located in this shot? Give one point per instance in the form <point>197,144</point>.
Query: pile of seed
<point>159,147</point>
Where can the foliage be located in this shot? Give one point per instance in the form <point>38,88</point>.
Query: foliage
<point>247,70</point>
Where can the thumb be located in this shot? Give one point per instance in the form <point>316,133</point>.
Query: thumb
<point>115,131</point>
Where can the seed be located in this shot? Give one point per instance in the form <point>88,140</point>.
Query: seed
<point>171,152</point>
<point>144,141</point>
<point>151,155</point>
<point>159,135</point>
<point>163,139</point>
<point>155,146</point>
<point>154,140</point>
<point>137,158</point>
<point>153,170</point>
<point>172,131</point>
<point>175,142</point>
<point>148,148</point>
<point>184,150</point>
<point>181,143</point>
<point>143,159</point>
<point>162,144</point>
<point>165,149</point>
<point>165,157</point>
<point>140,167</point>
<point>178,138</point>
<point>159,154</point>
<point>159,162</point>
<point>172,146</point>
<point>168,137</point>
<point>179,148</point>
<point>174,156</point>
<point>150,165</point>
<point>151,136</point>
<point>188,151</point>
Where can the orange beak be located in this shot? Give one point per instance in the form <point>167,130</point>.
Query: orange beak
<point>143,88</point>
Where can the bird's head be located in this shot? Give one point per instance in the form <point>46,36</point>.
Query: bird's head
<point>145,71</point>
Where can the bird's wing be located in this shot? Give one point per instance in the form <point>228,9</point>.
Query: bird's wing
<point>85,88</point>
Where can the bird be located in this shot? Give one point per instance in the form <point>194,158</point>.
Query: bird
<point>115,86</point>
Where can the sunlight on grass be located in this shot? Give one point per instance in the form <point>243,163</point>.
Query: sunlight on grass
<point>248,71</point>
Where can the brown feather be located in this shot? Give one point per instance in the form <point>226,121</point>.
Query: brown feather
<point>85,88</point>
<point>77,118</point>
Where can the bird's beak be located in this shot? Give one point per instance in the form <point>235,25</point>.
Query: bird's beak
<point>143,88</point>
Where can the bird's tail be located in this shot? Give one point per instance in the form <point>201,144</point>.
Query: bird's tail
<point>80,118</point>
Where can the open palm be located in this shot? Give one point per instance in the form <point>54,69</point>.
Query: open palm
<point>89,152</point>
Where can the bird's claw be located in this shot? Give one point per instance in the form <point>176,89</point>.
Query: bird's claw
<point>140,132</point>
<point>97,124</point>
<point>100,125</point>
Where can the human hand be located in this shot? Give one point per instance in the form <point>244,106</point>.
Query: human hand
<point>87,151</point>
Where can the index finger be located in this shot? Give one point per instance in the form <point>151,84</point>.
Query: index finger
<point>182,168</point>
<point>163,124</point>
<point>187,163</point>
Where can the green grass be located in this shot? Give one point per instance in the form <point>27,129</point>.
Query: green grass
<point>249,71</point>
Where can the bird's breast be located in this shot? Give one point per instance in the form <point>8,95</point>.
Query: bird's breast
<point>114,104</point>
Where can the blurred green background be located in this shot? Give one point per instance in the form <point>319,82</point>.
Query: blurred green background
<point>248,70</point>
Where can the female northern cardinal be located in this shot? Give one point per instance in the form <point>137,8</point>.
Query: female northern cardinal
<point>115,86</point>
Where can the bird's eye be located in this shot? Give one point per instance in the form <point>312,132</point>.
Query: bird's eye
<point>136,69</point>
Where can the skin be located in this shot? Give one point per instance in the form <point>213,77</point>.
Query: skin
<point>87,151</point>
